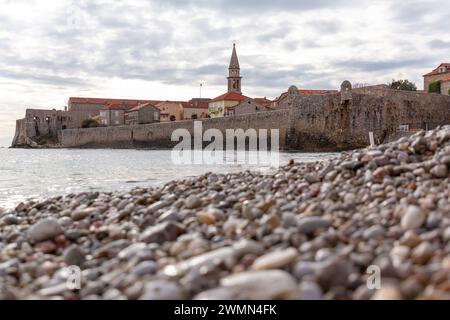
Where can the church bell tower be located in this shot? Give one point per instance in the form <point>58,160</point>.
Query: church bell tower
<point>234,73</point>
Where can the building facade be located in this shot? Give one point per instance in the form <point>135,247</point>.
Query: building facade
<point>196,108</point>
<point>142,114</point>
<point>113,115</point>
<point>173,109</point>
<point>445,86</point>
<point>234,73</point>
<point>81,109</point>
<point>246,106</point>
<point>220,106</point>
<point>440,74</point>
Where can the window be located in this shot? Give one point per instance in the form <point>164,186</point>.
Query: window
<point>116,113</point>
<point>403,128</point>
<point>156,116</point>
<point>442,69</point>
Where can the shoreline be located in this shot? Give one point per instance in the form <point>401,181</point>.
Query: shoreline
<point>308,231</point>
<point>143,167</point>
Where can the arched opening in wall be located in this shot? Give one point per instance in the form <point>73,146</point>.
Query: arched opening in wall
<point>36,126</point>
<point>64,127</point>
<point>47,120</point>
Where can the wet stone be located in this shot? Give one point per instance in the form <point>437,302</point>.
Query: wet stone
<point>74,256</point>
<point>44,230</point>
<point>413,218</point>
<point>167,231</point>
<point>262,285</point>
<point>309,225</point>
<point>275,260</point>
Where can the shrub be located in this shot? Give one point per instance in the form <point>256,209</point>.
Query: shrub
<point>89,123</point>
<point>194,116</point>
<point>403,85</point>
<point>435,87</point>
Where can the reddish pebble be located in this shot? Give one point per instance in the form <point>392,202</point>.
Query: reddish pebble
<point>45,247</point>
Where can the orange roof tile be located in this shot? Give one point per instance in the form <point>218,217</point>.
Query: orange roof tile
<point>233,96</point>
<point>130,102</point>
<point>263,101</point>
<point>436,71</point>
<point>196,104</point>
<point>446,79</point>
<point>137,108</point>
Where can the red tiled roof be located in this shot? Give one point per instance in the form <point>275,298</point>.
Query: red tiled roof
<point>436,71</point>
<point>137,108</point>
<point>233,96</point>
<point>195,104</point>
<point>263,101</point>
<point>130,102</point>
<point>446,79</point>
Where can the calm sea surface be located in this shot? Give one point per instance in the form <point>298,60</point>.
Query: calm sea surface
<point>36,174</point>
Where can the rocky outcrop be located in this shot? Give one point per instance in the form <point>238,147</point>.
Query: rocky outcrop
<point>20,136</point>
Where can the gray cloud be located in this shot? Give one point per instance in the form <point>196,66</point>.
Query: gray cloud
<point>439,44</point>
<point>256,6</point>
<point>45,79</point>
<point>380,65</point>
<point>135,42</point>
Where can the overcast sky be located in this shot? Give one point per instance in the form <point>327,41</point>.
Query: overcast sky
<point>163,49</point>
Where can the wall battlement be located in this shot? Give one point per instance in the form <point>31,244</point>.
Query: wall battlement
<point>325,122</point>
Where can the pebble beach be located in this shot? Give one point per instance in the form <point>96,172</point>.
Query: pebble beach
<point>309,231</point>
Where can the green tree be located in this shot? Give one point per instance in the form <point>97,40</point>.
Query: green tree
<point>403,85</point>
<point>435,87</point>
<point>89,123</point>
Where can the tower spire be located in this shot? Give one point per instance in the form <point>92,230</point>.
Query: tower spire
<point>234,72</point>
<point>234,61</point>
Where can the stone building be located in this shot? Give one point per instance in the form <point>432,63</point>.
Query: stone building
<point>246,106</point>
<point>234,73</point>
<point>173,109</point>
<point>280,101</point>
<point>440,74</point>
<point>196,108</point>
<point>41,124</point>
<point>445,86</point>
<point>113,115</point>
<point>263,101</point>
<point>90,107</point>
<point>142,114</point>
<point>218,107</point>
<point>163,116</point>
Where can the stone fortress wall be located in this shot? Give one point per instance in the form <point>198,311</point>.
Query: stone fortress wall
<point>45,124</point>
<point>326,122</point>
